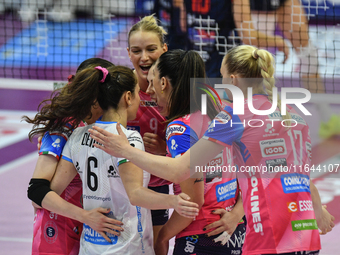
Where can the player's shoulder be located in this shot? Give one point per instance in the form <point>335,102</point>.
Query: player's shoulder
<point>178,126</point>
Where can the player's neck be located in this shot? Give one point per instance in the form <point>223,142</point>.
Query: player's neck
<point>143,85</point>
<point>115,116</point>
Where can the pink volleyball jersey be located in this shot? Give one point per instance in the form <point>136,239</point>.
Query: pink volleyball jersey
<point>219,191</point>
<point>53,233</point>
<point>275,188</point>
<point>149,120</point>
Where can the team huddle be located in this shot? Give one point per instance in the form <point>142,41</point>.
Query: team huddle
<point>114,139</point>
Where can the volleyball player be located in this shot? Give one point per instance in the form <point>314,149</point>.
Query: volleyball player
<point>170,87</point>
<point>210,27</point>
<point>283,210</point>
<point>110,182</point>
<point>292,20</point>
<point>146,43</point>
<point>53,233</point>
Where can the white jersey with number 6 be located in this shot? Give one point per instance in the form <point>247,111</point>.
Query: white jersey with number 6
<point>103,187</point>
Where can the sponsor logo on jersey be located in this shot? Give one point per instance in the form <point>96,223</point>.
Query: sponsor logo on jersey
<point>298,225</point>
<point>113,172</point>
<point>50,232</point>
<point>139,216</point>
<point>276,115</point>
<point>174,145</point>
<point>300,206</point>
<point>238,240</point>
<point>135,138</point>
<point>92,236</point>
<point>212,177</point>
<point>56,143</point>
<point>190,243</point>
<point>292,207</point>
<point>225,191</point>
<point>293,183</point>
<point>270,131</point>
<point>298,118</point>
<point>217,161</point>
<point>275,165</point>
<point>255,204</point>
<point>145,103</point>
<point>222,117</point>
<point>273,147</point>
<point>78,168</point>
<point>174,129</point>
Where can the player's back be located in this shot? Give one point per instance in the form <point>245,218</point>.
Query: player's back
<point>103,187</point>
<point>276,190</point>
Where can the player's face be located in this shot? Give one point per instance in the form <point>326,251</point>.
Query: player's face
<point>155,91</point>
<point>133,108</point>
<point>145,48</point>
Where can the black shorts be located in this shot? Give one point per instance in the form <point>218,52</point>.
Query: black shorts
<point>266,5</point>
<point>297,253</point>
<point>160,217</point>
<point>203,245</point>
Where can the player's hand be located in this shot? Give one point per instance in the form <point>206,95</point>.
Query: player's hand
<point>115,145</point>
<point>39,143</point>
<point>184,207</point>
<point>154,144</point>
<point>227,223</point>
<point>325,221</point>
<point>282,46</point>
<point>97,220</point>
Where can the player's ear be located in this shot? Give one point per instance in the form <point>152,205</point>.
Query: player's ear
<point>165,84</point>
<point>232,79</point>
<point>128,50</point>
<point>128,98</point>
<point>165,47</point>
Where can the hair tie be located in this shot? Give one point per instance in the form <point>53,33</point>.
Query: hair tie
<point>70,78</point>
<point>104,71</point>
<point>254,54</point>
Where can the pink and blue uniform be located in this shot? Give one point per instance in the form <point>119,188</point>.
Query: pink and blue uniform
<point>220,189</point>
<point>53,233</point>
<point>275,188</point>
<point>149,120</point>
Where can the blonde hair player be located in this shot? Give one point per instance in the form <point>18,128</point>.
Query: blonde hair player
<point>268,196</point>
<point>146,43</point>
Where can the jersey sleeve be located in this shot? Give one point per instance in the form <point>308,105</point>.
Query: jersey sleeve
<point>179,138</point>
<point>225,128</point>
<point>135,140</point>
<point>53,142</point>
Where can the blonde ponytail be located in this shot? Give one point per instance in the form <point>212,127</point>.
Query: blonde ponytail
<point>250,62</point>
